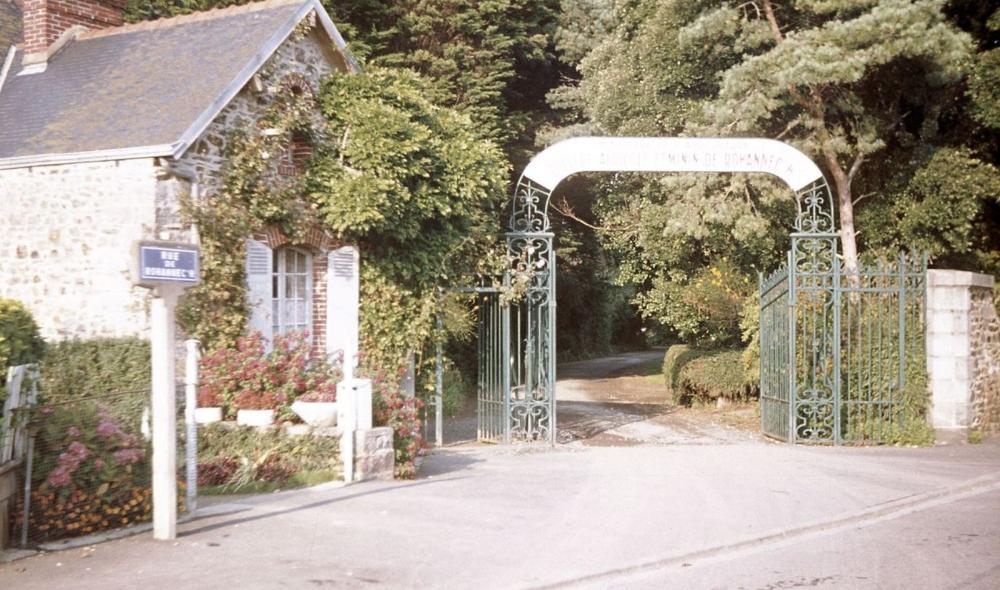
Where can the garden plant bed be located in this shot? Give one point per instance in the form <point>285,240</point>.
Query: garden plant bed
<point>240,460</point>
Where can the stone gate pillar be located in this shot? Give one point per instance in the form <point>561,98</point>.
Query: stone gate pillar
<point>963,352</point>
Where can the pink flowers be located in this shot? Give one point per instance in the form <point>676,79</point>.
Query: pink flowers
<point>107,428</point>
<point>79,450</point>
<point>129,456</point>
<point>92,454</point>
<point>59,477</point>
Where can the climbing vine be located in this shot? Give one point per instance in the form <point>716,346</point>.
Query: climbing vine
<point>410,183</point>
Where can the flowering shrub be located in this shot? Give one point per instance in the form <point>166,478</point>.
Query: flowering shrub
<point>93,469</point>
<point>91,457</point>
<point>393,408</point>
<point>208,398</point>
<point>248,377</point>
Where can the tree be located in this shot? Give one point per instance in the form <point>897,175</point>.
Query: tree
<point>874,91</point>
<point>416,187</point>
<point>837,77</point>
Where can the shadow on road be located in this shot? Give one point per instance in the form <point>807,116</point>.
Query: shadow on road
<point>230,521</point>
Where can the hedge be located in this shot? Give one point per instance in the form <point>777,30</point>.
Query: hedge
<point>77,368</point>
<point>694,374</point>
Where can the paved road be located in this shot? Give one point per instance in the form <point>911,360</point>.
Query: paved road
<point>607,402</point>
<point>734,514</point>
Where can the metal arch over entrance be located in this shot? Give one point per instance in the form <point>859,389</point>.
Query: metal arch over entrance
<point>517,340</point>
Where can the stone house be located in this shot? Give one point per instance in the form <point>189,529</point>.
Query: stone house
<point>105,127</point>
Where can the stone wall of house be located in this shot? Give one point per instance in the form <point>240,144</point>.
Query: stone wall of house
<point>66,232</point>
<point>302,56</point>
<point>305,58</point>
<point>66,235</point>
<point>984,351</point>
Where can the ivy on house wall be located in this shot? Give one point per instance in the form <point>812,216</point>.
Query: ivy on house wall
<point>417,188</point>
<point>252,196</point>
<point>412,184</point>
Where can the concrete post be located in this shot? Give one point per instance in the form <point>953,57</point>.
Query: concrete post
<point>164,405</point>
<point>347,420</point>
<point>191,427</point>
<point>949,361</point>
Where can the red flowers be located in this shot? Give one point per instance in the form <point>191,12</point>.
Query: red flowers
<point>251,378</point>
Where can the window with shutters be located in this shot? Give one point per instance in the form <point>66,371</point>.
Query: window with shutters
<point>291,291</point>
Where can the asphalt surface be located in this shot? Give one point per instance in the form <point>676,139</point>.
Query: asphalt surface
<point>730,514</point>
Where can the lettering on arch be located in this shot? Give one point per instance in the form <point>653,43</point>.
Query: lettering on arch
<point>671,154</point>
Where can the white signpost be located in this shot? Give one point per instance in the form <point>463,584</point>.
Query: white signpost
<point>167,268</point>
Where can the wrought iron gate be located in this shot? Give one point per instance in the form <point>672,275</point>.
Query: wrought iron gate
<point>516,333</point>
<point>492,380</point>
<point>841,352</point>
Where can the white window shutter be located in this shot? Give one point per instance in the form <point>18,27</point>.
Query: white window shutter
<point>342,299</point>
<point>259,295</point>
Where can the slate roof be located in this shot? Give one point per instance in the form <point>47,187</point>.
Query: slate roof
<point>10,25</point>
<point>142,90</point>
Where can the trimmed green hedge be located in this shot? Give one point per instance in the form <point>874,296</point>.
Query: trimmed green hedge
<point>693,374</point>
<point>20,343</point>
<point>79,368</point>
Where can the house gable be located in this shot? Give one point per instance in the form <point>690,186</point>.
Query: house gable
<point>169,79</point>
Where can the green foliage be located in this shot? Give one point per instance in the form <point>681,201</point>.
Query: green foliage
<point>941,209</point>
<point>706,375</point>
<point>595,315</point>
<point>20,343</point>
<point>416,189</point>
<point>706,310</point>
<point>73,369</point>
<point>239,459</point>
<point>750,334</point>
<point>583,24</point>
<point>984,81</point>
<point>912,424</point>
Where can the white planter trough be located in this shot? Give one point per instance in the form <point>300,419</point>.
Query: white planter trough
<point>316,413</point>
<point>255,417</point>
<point>207,415</point>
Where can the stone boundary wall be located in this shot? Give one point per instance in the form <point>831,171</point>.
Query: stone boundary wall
<point>984,351</point>
<point>963,338</point>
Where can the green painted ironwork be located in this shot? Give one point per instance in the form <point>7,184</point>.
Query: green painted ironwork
<point>837,346</point>
<point>493,372</point>
<point>834,368</point>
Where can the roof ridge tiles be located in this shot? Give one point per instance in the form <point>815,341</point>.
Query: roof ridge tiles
<point>162,23</point>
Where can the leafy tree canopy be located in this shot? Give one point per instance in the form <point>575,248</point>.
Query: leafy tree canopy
<point>873,91</point>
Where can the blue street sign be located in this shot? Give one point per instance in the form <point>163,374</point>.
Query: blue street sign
<point>168,264</point>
